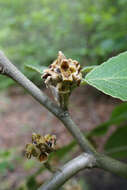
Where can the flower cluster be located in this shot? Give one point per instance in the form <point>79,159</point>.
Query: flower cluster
<point>41,147</point>
<point>62,76</point>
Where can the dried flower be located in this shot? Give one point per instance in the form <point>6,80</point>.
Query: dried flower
<point>62,76</point>
<point>41,147</point>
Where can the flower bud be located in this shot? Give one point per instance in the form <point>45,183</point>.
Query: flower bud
<point>62,76</point>
<point>41,147</point>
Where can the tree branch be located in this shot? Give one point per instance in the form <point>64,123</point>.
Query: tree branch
<point>111,165</point>
<point>81,162</point>
<point>68,170</point>
<point>104,162</point>
<point>7,68</point>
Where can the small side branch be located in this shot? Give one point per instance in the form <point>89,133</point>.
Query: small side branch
<point>81,162</point>
<point>68,170</point>
<point>111,165</point>
<point>11,71</point>
<point>104,162</point>
<point>77,134</point>
<point>7,68</point>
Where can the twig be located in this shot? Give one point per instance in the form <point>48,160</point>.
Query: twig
<point>81,162</point>
<point>102,161</point>
<point>10,70</point>
<point>68,170</point>
<point>111,165</point>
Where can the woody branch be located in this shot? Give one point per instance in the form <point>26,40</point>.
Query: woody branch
<point>102,161</point>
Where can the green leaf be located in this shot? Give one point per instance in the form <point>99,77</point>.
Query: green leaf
<point>65,150</point>
<point>32,183</point>
<point>111,77</point>
<point>5,154</point>
<point>120,112</point>
<point>116,145</point>
<point>3,166</point>
<point>61,152</point>
<point>5,82</point>
<point>118,116</point>
<point>99,130</point>
<point>6,165</point>
<point>38,69</point>
<point>29,164</point>
<point>87,69</point>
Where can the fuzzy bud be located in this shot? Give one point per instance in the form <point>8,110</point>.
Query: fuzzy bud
<point>62,76</point>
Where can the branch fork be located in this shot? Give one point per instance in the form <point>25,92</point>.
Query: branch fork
<point>89,159</point>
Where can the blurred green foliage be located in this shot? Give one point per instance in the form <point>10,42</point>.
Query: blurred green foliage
<point>6,158</point>
<point>90,31</point>
<point>32,32</point>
